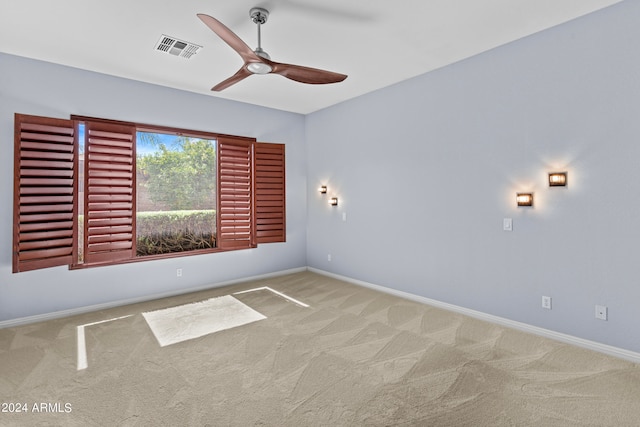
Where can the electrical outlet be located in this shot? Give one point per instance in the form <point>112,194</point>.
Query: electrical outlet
<point>601,312</point>
<point>329,257</point>
<point>179,272</point>
<point>546,302</point>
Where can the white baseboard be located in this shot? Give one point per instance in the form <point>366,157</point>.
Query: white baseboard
<point>558,336</point>
<point>81,310</point>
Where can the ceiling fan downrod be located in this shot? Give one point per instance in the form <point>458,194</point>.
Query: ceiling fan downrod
<point>259,16</point>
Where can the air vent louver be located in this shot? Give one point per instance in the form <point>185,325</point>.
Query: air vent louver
<point>176,47</point>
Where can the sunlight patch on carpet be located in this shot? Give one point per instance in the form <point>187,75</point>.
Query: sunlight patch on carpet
<point>266,288</point>
<point>185,322</point>
<point>81,341</point>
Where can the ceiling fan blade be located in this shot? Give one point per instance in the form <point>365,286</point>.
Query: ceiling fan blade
<point>307,75</point>
<point>242,74</point>
<point>229,37</point>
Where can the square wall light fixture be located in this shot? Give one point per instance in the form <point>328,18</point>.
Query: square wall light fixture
<point>323,189</point>
<point>557,179</point>
<point>333,201</point>
<point>524,199</point>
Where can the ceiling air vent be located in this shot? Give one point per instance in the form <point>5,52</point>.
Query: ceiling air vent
<point>176,47</point>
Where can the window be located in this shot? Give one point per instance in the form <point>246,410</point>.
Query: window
<point>95,192</point>
<point>175,193</point>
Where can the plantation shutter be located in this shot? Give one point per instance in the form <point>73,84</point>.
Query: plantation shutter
<point>270,193</point>
<point>44,188</point>
<point>109,192</point>
<point>235,200</point>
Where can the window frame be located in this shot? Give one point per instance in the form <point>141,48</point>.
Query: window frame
<point>233,205</point>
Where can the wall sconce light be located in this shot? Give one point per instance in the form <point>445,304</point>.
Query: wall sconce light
<point>524,199</point>
<point>323,189</point>
<point>333,201</point>
<point>557,179</point>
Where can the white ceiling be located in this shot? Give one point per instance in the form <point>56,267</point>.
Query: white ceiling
<point>376,42</point>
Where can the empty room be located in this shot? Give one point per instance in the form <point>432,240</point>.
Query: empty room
<point>305,213</point>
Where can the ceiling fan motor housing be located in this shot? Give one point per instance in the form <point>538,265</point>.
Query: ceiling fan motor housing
<point>261,53</point>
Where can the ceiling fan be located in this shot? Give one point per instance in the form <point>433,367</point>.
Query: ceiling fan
<point>258,61</point>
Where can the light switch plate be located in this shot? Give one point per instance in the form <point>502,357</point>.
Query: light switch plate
<point>507,224</point>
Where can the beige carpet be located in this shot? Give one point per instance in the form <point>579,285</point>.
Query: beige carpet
<point>354,357</point>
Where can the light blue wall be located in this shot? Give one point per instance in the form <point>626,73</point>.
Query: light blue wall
<point>39,88</point>
<point>427,169</point>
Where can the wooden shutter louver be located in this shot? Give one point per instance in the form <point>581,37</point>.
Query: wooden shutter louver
<point>109,192</point>
<point>235,200</point>
<point>270,193</point>
<point>44,216</point>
